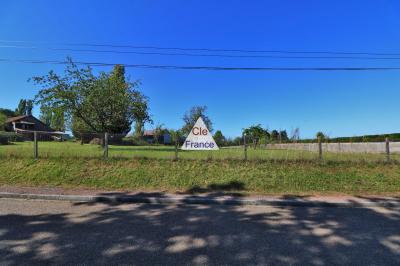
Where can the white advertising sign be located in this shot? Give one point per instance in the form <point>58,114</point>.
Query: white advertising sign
<point>200,138</point>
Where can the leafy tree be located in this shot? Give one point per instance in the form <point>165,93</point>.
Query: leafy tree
<point>190,118</point>
<point>69,91</point>
<point>25,107</point>
<point>176,136</point>
<point>255,133</point>
<point>53,117</point>
<point>21,109</point>
<point>140,103</point>
<point>3,120</point>
<point>236,141</point>
<point>140,111</point>
<point>118,74</point>
<point>107,105</point>
<point>274,135</point>
<point>7,112</point>
<point>78,127</point>
<point>158,131</point>
<point>46,115</point>
<point>104,103</point>
<point>219,138</point>
<point>295,135</point>
<point>29,107</point>
<point>283,136</point>
<point>58,120</point>
<point>320,135</point>
<point>233,141</point>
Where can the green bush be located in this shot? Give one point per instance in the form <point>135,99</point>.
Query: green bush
<point>11,136</point>
<point>134,141</point>
<point>3,140</point>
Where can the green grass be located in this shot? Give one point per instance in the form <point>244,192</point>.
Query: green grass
<point>75,150</point>
<point>70,164</point>
<point>248,177</point>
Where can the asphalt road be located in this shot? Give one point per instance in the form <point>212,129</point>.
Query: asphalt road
<point>51,232</point>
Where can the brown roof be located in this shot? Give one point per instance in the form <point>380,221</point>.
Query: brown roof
<point>16,118</point>
<point>151,132</point>
<point>148,133</point>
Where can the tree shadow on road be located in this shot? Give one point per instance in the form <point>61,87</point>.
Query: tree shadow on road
<point>156,234</point>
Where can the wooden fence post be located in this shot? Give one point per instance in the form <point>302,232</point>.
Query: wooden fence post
<point>245,147</point>
<point>35,145</point>
<point>387,149</point>
<point>319,148</point>
<point>105,145</point>
<point>176,150</point>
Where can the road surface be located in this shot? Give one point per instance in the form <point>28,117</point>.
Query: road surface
<point>53,232</point>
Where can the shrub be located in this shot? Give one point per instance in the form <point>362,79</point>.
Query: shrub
<point>134,141</point>
<point>3,140</point>
<point>11,136</point>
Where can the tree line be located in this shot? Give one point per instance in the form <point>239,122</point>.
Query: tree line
<point>365,138</point>
<point>256,135</point>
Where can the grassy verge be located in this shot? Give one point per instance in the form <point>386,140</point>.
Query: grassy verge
<point>248,177</point>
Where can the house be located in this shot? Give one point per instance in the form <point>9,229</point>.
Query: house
<point>163,138</point>
<point>27,124</point>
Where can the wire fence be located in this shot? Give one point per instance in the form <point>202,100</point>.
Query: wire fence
<point>40,145</point>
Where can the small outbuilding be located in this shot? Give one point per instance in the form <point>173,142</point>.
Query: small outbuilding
<point>150,137</point>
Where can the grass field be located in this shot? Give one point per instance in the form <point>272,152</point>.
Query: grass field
<point>70,164</point>
<point>74,150</point>
<point>247,177</point>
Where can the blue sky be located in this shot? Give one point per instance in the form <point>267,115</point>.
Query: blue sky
<point>338,103</point>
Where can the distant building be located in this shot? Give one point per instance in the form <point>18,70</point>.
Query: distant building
<point>149,136</point>
<point>27,124</point>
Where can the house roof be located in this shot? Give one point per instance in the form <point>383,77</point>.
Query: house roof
<point>148,133</point>
<point>16,118</point>
<point>21,117</point>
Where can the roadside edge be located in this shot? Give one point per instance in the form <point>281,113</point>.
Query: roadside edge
<point>206,200</point>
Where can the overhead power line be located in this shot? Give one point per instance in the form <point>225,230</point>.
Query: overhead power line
<point>205,49</point>
<point>198,55</point>
<point>209,68</point>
